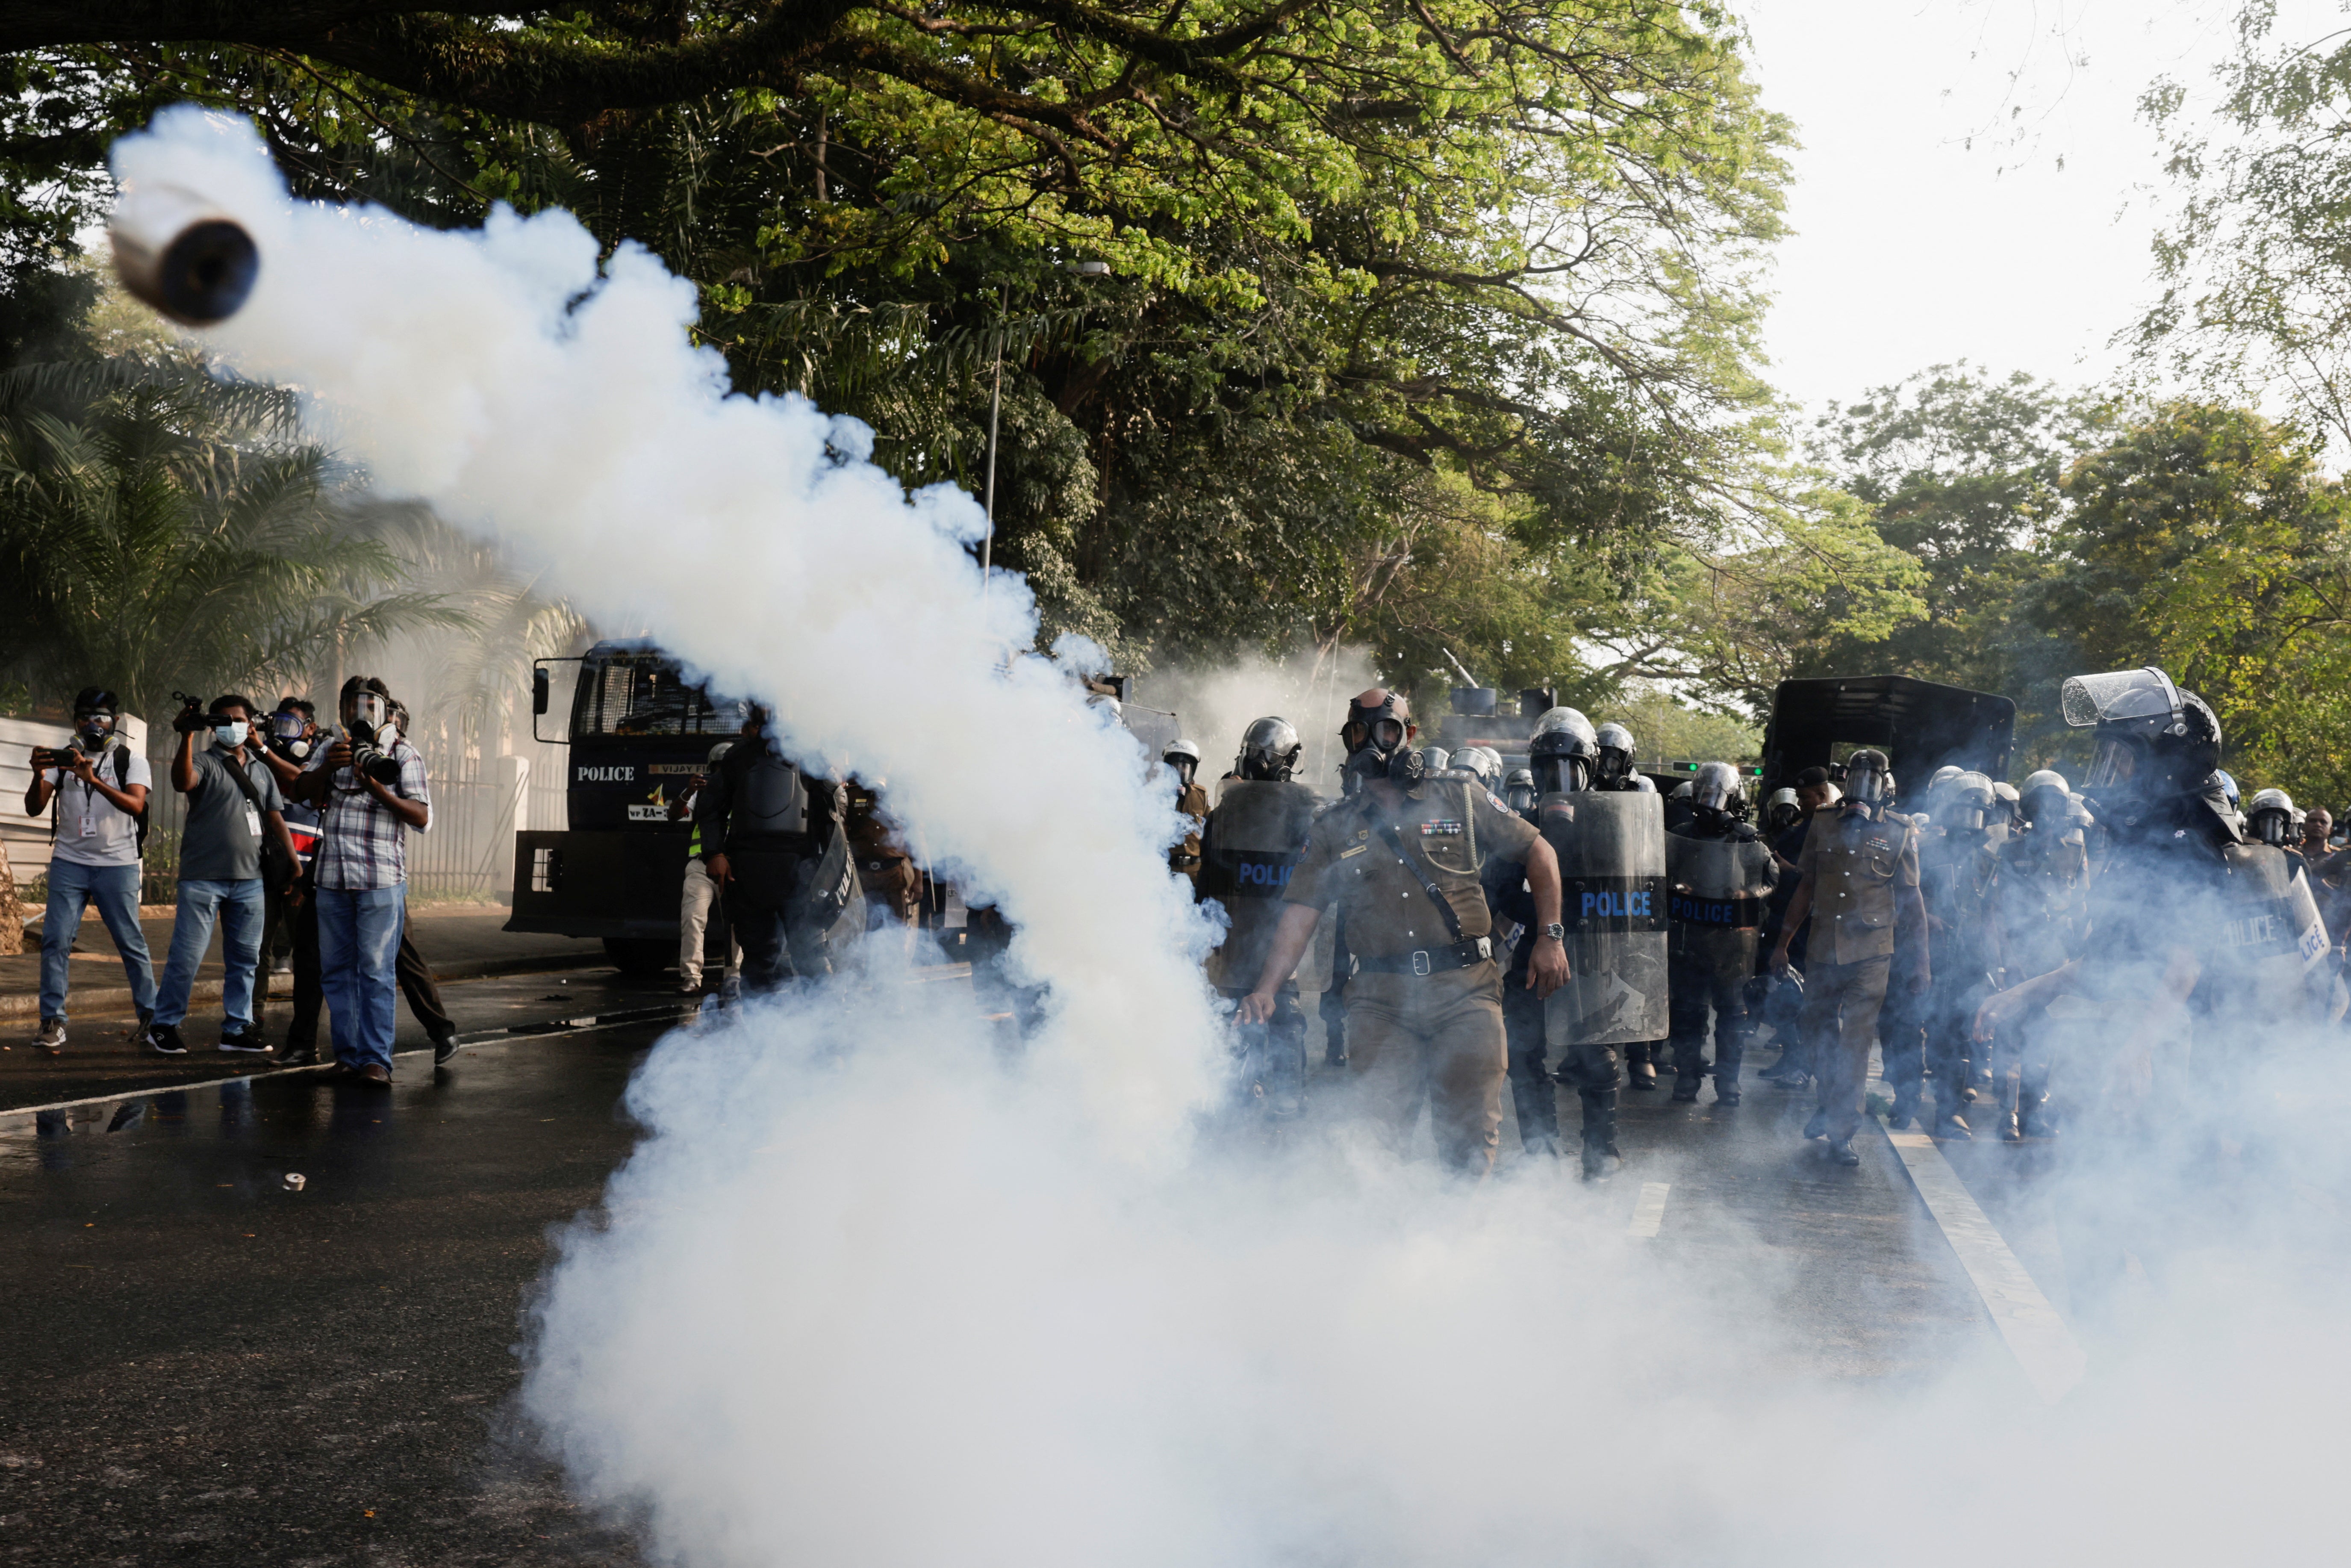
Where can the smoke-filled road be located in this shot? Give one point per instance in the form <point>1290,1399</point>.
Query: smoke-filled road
<point>208,1368</point>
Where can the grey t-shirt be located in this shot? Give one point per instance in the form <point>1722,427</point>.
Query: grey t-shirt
<point>222,840</point>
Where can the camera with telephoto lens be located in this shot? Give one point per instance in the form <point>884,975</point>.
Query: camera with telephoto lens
<point>369,758</point>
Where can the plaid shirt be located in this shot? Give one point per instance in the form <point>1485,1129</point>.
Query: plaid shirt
<point>365,846</point>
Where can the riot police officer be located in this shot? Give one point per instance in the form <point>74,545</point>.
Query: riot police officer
<point>1859,893</point>
<point>1955,869</point>
<point>2189,926</point>
<point>1518,790</point>
<point>2037,906</point>
<point>1192,801</point>
<point>1611,850</point>
<point>1780,812</point>
<point>1369,710</point>
<point>1719,875</point>
<point>1614,758</point>
<point>771,840</point>
<point>1250,846</point>
<point>1403,858</point>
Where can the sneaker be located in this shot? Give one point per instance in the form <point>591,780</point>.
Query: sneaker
<point>52,1038</point>
<point>163,1039</point>
<point>1842,1153</point>
<point>246,1039</point>
<point>444,1047</point>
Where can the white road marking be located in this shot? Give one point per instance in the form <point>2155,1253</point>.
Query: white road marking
<point>2036,1332</point>
<point>1649,1212</point>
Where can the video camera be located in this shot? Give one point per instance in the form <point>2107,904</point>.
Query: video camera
<point>192,715</point>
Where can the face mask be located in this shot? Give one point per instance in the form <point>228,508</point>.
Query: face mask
<point>232,734</point>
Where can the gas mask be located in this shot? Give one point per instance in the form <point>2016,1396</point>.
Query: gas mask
<point>1401,765</point>
<point>92,731</point>
<point>370,715</point>
<point>286,729</point>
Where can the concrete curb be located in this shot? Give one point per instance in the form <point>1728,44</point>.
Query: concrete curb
<point>117,998</point>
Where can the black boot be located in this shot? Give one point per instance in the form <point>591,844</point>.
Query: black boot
<point>1637,1069</point>
<point>1728,1060</point>
<point>1599,1132</point>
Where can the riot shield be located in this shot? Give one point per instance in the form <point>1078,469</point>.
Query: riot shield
<point>1612,866</point>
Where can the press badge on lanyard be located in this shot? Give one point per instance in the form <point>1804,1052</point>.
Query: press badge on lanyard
<point>253,822</point>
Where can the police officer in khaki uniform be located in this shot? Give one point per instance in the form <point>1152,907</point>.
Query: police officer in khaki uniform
<point>886,873</point>
<point>1192,799</point>
<point>1401,857</point>
<point>1860,877</point>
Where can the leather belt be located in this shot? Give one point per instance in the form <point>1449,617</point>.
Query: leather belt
<point>1461,954</point>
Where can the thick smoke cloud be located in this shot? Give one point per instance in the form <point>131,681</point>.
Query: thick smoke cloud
<point>874,1291</point>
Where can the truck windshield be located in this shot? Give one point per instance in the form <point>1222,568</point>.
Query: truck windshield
<point>644,694</point>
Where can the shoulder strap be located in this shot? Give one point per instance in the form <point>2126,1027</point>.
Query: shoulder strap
<point>244,785</point>
<point>1444,906</point>
<point>122,782</point>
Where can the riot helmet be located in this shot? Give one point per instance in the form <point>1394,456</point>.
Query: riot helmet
<point>1563,752</point>
<point>1614,764</point>
<point>2154,741</point>
<point>2046,797</point>
<point>1436,759</point>
<point>718,754</point>
<point>1518,789</point>
<point>1967,800</point>
<point>1482,763</point>
<point>1782,811</point>
<point>1869,778</point>
<point>2270,818</point>
<point>95,710</point>
<point>1269,751</point>
<point>1716,789</point>
<point>1683,790</point>
<point>2228,791</point>
<point>1640,784</point>
<point>1184,759</point>
<point>2007,804</point>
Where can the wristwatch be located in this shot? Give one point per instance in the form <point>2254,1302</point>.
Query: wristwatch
<point>1555,931</point>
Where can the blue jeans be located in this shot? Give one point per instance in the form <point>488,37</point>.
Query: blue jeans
<point>359,955</point>
<point>115,890</point>
<point>238,905</point>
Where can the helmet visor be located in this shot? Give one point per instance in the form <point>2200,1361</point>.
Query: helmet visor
<point>2118,694</point>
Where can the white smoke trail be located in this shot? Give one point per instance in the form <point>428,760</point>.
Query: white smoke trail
<point>497,376</point>
<point>865,1295</point>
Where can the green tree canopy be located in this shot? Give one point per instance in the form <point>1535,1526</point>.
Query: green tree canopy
<point>1363,251</point>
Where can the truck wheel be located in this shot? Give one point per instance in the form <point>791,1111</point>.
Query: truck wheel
<point>636,955</point>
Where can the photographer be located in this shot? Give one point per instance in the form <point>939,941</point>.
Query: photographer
<point>294,738</point>
<point>370,790</point>
<point>100,788</point>
<point>234,829</point>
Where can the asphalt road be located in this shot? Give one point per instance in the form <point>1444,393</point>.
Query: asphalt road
<point>204,1367</point>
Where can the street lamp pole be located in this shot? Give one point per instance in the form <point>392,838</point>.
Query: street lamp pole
<point>994,407</point>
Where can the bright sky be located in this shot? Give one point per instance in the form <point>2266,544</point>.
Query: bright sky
<point>1975,181</point>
